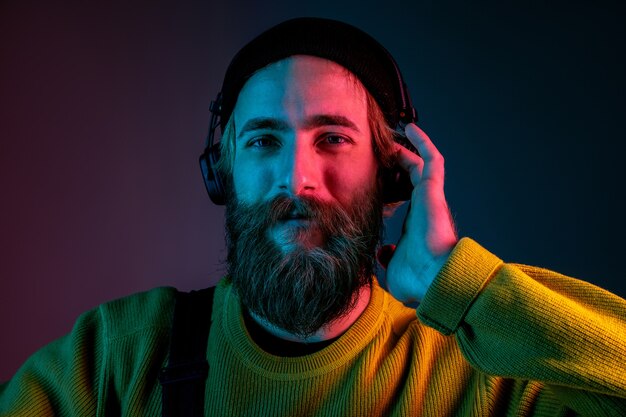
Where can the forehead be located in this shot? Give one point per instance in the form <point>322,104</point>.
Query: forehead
<point>301,86</point>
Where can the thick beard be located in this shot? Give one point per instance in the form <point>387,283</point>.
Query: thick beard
<point>303,289</point>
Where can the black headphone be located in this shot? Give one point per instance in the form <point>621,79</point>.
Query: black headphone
<point>396,182</point>
<point>210,156</point>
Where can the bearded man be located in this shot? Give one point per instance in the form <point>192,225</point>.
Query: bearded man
<point>315,118</point>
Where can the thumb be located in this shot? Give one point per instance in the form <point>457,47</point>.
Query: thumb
<point>384,254</point>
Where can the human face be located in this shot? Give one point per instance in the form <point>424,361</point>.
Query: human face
<point>302,130</point>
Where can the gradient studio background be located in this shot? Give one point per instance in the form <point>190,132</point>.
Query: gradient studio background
<point>103,113</point>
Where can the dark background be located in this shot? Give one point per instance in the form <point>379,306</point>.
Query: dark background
<point>103,113</point>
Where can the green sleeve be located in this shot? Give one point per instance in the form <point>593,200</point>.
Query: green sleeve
<point>63,378</point>
<point>531,324</point>
<point>107,365</point>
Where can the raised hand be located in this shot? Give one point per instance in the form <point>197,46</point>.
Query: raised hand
<point>429,234</point>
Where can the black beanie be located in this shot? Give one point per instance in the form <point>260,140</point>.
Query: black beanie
<point>336,41</point>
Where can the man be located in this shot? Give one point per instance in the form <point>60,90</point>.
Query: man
<point>299,327</point>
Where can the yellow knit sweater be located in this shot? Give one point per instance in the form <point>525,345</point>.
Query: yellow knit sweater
<point>491,339</point>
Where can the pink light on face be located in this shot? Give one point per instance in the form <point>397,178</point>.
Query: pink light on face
<point>304,131</point>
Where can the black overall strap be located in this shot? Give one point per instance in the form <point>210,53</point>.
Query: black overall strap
<point>183,380</point>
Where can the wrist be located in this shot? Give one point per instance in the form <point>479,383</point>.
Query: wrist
<point>458,282</point>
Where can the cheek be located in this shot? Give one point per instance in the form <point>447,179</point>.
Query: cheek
<point>346,180</point>
<point>251,184</point>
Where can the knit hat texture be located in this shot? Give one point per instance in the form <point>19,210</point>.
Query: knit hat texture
<point>336,41</point>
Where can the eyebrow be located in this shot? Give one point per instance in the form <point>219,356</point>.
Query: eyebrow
<point>318,120</point>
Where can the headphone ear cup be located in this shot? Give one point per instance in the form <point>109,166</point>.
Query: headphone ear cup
<point>211,176</point>
<point>397,185</point>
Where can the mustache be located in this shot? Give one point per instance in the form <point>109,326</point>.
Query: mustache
<point>332,218</point>
<point>283,207</point>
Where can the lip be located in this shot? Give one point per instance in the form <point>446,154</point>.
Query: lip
<point>295,214</point>
<point>298,232</point>
<point>296,221</point>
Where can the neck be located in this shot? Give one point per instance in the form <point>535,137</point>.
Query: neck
<point>329,331</point>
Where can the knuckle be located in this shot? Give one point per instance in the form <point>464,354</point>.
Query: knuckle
<point>437,159</point>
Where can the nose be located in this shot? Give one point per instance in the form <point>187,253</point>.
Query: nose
<point>301,171</point>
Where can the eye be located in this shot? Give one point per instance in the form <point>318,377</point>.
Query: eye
<point>261,142</point>
<point>334,140</point>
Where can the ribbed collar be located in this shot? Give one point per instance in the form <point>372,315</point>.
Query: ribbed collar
<point>338,354</point>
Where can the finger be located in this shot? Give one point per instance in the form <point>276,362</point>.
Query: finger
<point>384,254</point>
<point>433,160</point>
<point>411,163</point>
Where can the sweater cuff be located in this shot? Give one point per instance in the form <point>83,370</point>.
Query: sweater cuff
<point>466,271</point>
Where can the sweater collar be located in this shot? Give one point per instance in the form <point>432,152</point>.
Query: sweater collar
<point>338,353</point>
